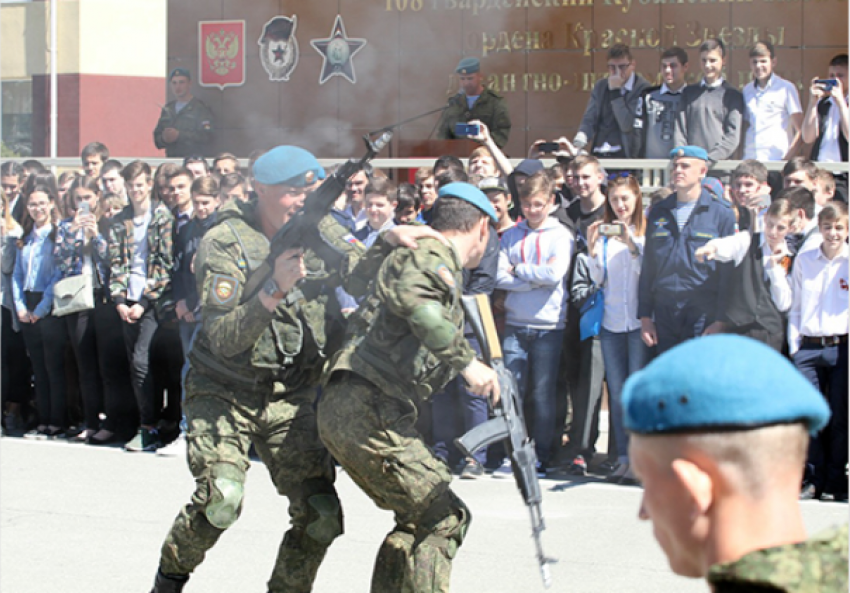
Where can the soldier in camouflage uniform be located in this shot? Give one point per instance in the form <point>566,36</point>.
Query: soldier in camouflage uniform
<point>475,103</point>
<point>719,434</point>
<point>185,124</point>
<point>252,376</point>
<point>405,343</point>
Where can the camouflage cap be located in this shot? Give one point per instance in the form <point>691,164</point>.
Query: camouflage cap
<point>288,165</point>
<point>720,382</point>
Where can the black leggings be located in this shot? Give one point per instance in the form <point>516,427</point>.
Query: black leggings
<point>16,371</point>
<point>45,340</point>
<point>81,331</point>
<point>122,413</point>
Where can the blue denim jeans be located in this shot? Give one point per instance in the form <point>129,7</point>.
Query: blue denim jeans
<point>532,355</point>
<point>624,353</point>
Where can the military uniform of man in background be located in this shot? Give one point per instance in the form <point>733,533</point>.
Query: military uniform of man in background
<point>719,434</point>
<point>253,371</point>
<point>475,102</point>
<point>403,344</point>
<point>185,124</point>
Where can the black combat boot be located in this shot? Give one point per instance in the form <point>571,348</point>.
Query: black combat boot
<point>168,584</point>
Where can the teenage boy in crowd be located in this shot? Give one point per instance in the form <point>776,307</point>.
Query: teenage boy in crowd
<point>111,180</point>
<point>817,340</point>
<point>659,106</point>
<point>94,155</point>
<point>712,109</point>
<point>773,113</point>
<point>827,120</point>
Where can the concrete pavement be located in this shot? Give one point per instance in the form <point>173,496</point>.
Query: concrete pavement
<point>80,519</point>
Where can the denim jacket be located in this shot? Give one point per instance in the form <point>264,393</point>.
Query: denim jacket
<point>36,271</point>
<point>70,251</point>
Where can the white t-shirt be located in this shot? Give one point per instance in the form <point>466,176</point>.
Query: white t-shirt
<point>768,113</point>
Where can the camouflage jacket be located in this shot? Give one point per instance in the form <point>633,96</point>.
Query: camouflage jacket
<point>160,258</point>
<point>194,122</point>
<point>407,336</point>
<point>817,565</point>
<point>71,250</point>
<point>489,108</point>
<point>241,343</point>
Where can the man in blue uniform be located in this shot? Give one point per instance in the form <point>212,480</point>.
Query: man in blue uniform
<point>678,297</point>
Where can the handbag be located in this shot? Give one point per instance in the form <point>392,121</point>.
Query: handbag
<point>72,295</point>
<point>593,308</point>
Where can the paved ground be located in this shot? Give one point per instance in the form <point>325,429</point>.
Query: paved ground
<point>81,519</point>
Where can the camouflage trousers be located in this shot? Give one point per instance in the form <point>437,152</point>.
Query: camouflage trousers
<point>283,431</point>
<point>373,437</point>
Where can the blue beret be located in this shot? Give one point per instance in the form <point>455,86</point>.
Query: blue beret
<point>722,381</point>
<point>713,185</point>
<point>471,194</point>
<point>180,72</point>
<point>692,152</point>
<point>468,66</point>
<point>288,165</point>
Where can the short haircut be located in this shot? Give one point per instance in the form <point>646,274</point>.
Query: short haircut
<point>619,50</point>
<point>407,197</point>
<point>479,152</point>
<point>713,44</point>
<point>450,176</point>
<point>675,52</point>
<point>781,207</point>
<point>205,186</point>
<point>839,60</point>
<point>583,160</point>
<point>423,173</point>
<point>763,49</point>
<point>224,156</point>
<point>448,161</point>
<point>800,199</point>
<point>180,171</point>
<point>111,165</point>
<point>95,149</point>
<point>136,168</point>
<point>537,183</point>
<point>33,166</point>
<point>382,186</point>
<point>750,168</point>
<point>10,168</point>
<point>67,175</point>
<point>800,163</point>
<point>230,181</point>
<point>832,211</point>
<point>196,159</point>
<point>826,179</point>
<point>455,214</point>
<point>638,220</point>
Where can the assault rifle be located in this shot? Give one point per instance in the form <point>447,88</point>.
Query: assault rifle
<point>300,230</point>
<point>507,425</point>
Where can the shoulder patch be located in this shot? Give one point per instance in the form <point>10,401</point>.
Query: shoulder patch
<point>446,275</point>
<point>224,289</point>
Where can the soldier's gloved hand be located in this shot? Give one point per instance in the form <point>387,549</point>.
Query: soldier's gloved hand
<point>289,269</point>
<point>482,380</point>
<point>408,235</point>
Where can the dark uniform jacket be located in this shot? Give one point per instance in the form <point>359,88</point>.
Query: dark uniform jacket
<point>194,122</point>
<point>407,336</point>
<point>670,272</point>
<point>241,343</point>
<point>489,108</point>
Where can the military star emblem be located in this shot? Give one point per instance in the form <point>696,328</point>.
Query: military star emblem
<point>338,51</point>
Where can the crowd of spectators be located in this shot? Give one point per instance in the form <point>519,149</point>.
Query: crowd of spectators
<point>753,254</point>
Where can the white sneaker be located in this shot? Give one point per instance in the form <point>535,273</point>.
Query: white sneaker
<point>176,448</point>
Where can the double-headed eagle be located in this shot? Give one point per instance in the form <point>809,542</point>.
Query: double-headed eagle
<point>222,48</point>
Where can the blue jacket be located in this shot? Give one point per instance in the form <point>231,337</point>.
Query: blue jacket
<point>35,270</point>
<point>670,273</point>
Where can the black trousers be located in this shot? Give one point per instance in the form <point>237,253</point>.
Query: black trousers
<point>137,340</point>
<point>119,404</point>
<point>81,332</point>
<point>16,371</point>
<point>45,341</point>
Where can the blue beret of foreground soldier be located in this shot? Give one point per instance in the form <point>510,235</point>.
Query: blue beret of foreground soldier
<point>720,427</point>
